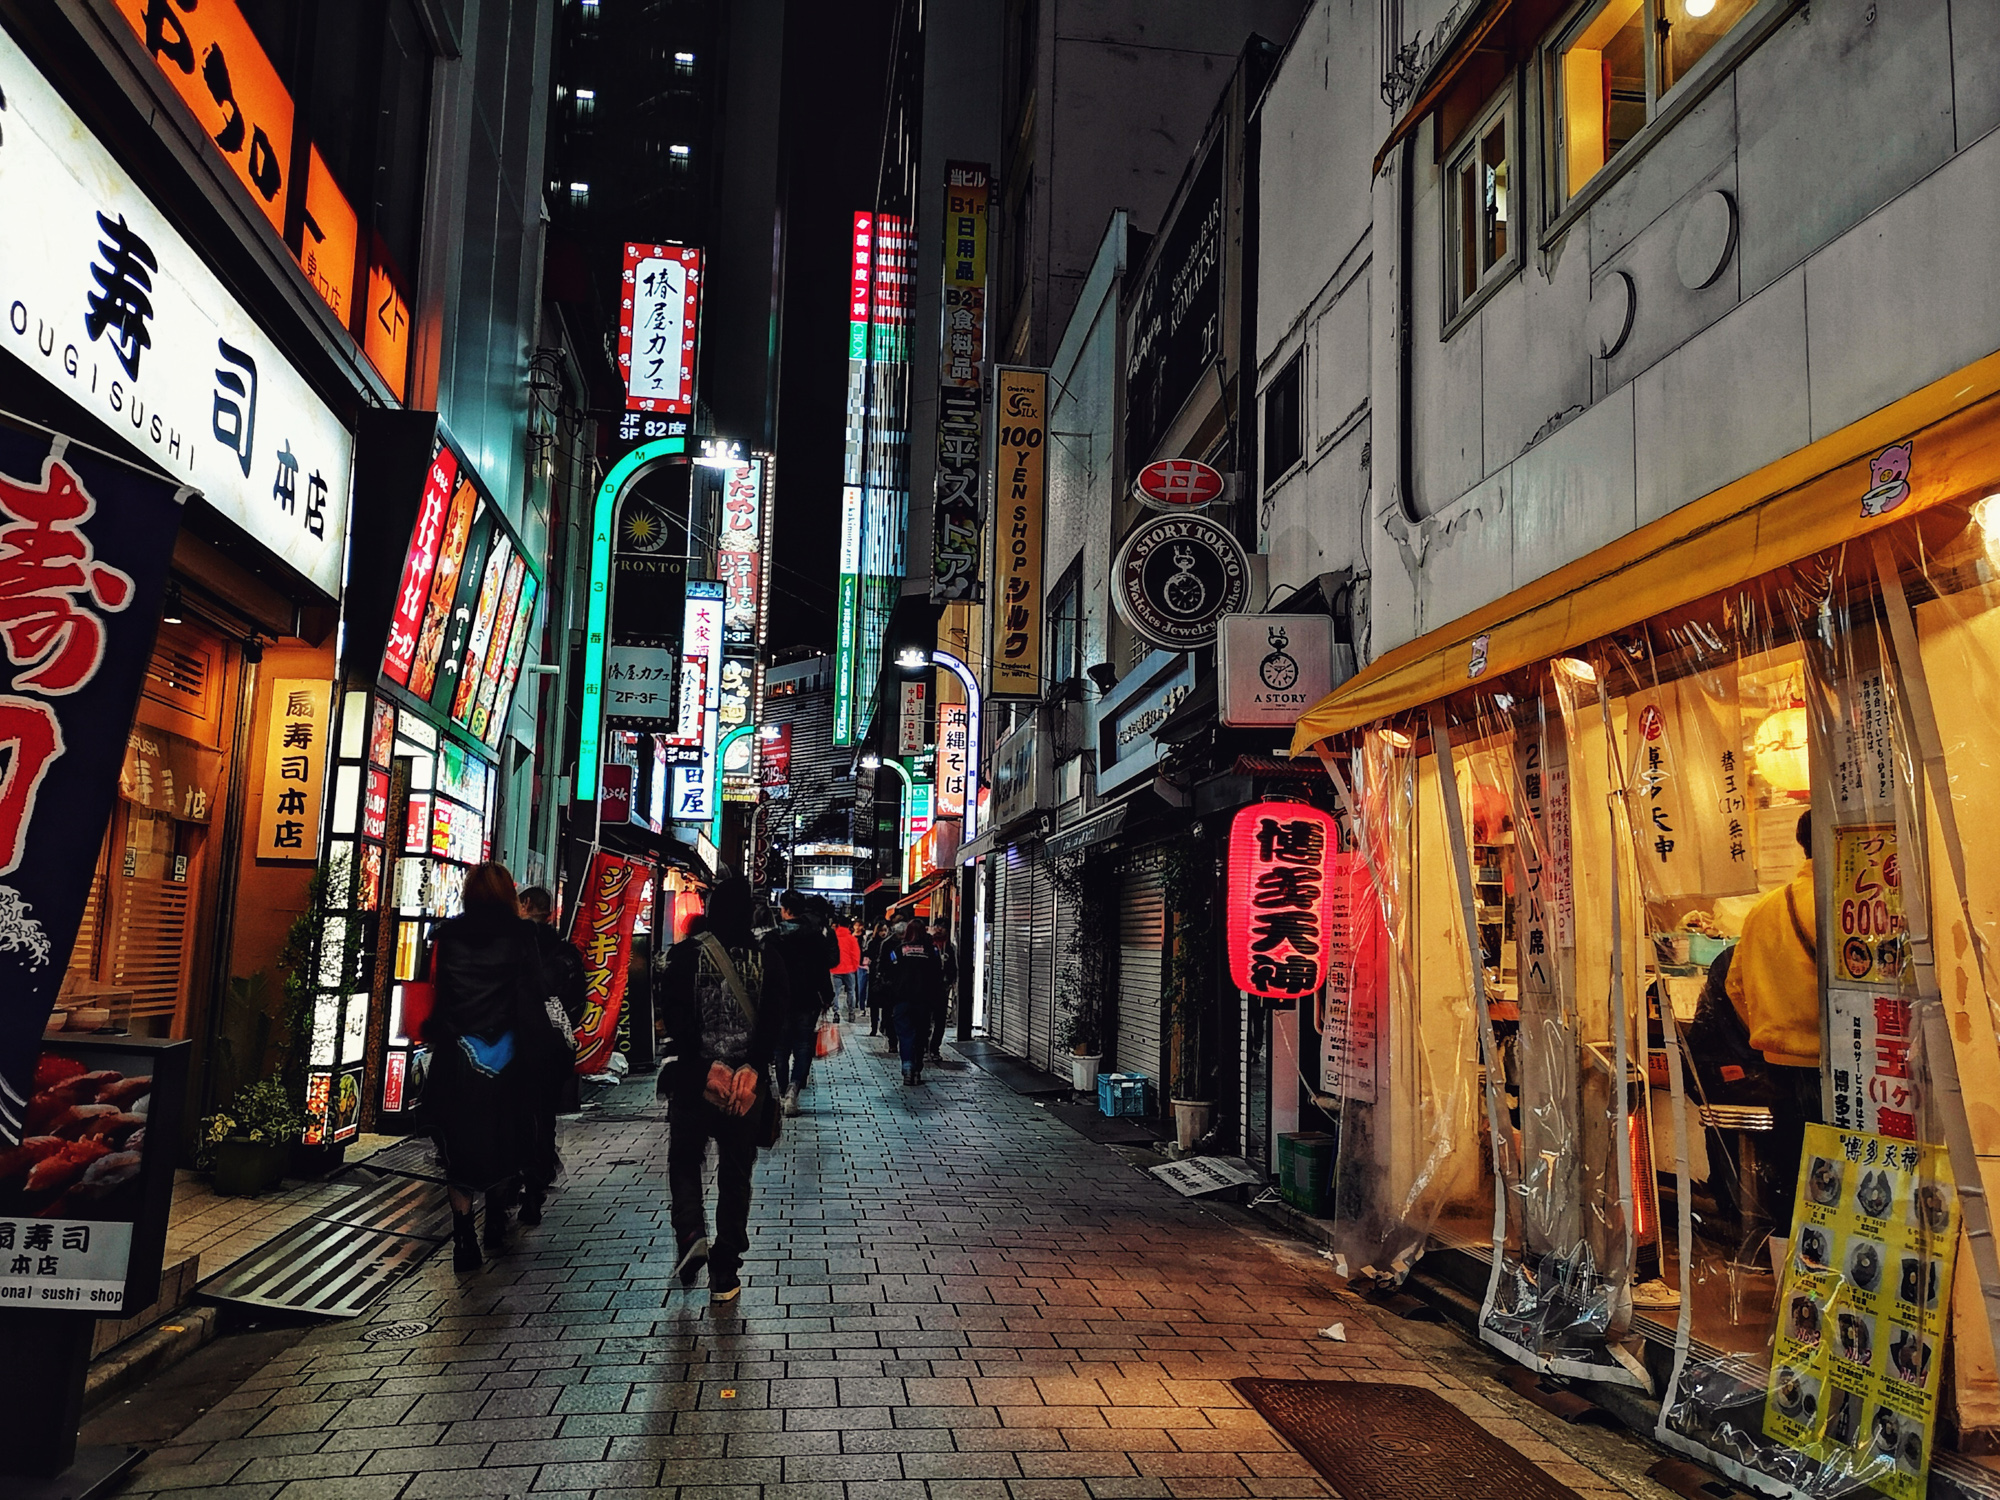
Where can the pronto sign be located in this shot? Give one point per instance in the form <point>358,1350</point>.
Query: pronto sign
<point>1178,484</point>
<point>1279,853</point>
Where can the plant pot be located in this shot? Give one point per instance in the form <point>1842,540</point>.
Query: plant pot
<point>1190,1121</point>
<point>1083,1071</point>
<point>244,1168</point>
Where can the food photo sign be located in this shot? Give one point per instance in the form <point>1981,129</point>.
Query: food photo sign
<point>84,1196</point>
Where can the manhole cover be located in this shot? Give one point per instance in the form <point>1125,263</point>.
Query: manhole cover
<point>1361,1437</point>
<point>395,1333</point>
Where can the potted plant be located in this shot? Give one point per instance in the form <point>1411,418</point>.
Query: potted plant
<point>248,1142</point>
<point>1083,973</point>
<point>1189,880</point>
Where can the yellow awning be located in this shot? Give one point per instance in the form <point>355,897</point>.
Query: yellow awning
<point>1804,503</point>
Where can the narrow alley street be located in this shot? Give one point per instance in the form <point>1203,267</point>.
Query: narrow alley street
<point>949,1294</point>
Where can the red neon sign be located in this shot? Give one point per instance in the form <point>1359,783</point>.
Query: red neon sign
<point>1279,854</point>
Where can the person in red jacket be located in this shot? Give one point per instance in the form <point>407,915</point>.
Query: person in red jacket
<point>845,990</point>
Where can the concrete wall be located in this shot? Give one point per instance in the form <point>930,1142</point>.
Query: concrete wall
<point>1853,146</point>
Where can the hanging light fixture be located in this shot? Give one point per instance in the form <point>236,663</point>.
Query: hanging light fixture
<point>1780,747</point>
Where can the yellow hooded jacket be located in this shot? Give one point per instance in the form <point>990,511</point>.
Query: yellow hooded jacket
<point>1774,976</point>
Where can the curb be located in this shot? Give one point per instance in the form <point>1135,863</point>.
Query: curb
<point>165,1344</point>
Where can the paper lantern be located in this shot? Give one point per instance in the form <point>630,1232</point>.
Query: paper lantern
<point>1279,855</point>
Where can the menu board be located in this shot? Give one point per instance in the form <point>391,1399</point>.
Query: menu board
<point>465,609</point>
<point>1862,1309</point>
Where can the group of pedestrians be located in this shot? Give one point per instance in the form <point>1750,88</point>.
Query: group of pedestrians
<point>741,1004</point>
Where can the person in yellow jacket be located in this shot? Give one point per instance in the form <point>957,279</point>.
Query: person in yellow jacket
<point>1773,986</point>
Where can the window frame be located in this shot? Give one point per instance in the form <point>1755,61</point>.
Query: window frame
<point>1066,605</point>
<point>1664,112</point>
<point>1296,366</point>
<point>1458,304</point>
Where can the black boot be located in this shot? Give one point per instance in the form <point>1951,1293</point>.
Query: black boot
<point>496,1225</point>
<point>465,1254</point>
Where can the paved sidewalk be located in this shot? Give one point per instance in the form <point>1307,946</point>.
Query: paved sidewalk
<point>950,1296</point>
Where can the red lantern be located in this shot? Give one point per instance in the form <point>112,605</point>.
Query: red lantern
<point>1280,854</point>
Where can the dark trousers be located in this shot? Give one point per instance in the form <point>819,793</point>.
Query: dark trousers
<point>694,1123</point>
<point>796,1045</point>
<point>1795,1105</point>
<point>913,1029</point>
<point>940,1017</point>
<point>881,1013</point>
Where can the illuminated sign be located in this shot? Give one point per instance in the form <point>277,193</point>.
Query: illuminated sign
<point>847,618</point>
<point>958,517</point>
<point>106,302</point>
<point>658,316</point>
<point>1021,420</point>
<point>1280,855</point>
<point>295,748</point>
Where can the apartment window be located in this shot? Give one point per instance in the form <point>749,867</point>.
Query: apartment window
<point>1611,68</point>
<point>579,195</point>
<point>684,65</point>
<point>586,104</point>
<point>1480,207</point>
<point>679,157</point>
<point>1284,420</point>
<point>1066,628</point>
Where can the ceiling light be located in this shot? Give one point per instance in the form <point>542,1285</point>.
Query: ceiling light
<point>1699,8</point>
<point>1576,669</point>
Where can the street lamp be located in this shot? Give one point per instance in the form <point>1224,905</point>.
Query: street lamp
<point>971,684</point>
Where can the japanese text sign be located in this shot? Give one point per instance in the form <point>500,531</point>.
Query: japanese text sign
<point>1280,855</point>
<point>1863,1304</point>
<point>84,545</point>
<point>1021,403</point>
<point>603,934</point>
<point>111,306</point>
<point>297,730</point>
<point>658,310</point>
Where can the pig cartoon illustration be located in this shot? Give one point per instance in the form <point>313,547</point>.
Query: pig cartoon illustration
<point>1889,478</point>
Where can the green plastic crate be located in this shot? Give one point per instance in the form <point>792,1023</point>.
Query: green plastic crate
<point>1305,1171</point>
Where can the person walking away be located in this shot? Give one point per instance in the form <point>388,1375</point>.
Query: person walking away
<point>485,1034</point>
<point>916,980</point>
<point>1773,983</point>
<point>722,997</point>
<point>947,992</point>
<point>846,973</point>
<point>881,1003</point>
<point>805,945</point>
<point>554,1084</point>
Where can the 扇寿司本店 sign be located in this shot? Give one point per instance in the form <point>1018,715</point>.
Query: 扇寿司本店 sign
<point>295,768</point>
<point>103,298</point>
<point>84,544</point>
<point>1176,576</point>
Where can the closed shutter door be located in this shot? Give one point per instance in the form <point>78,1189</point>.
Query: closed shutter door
<point>1142,933</point>
<point>1017,897</point>
<point>1042,983</point>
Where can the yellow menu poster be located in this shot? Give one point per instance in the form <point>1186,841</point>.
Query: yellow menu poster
<point>1862,1307</point>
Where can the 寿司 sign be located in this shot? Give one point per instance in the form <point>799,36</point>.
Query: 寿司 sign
<point>1177,484</point>
<point>1278,898</point>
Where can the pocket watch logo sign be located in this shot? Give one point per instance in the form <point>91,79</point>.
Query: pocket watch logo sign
<point>1176,576</point>
<point>1280,670</point>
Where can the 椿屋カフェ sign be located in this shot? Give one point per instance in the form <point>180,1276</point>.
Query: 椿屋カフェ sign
<point>103,299</point>
<point>1176,576</point>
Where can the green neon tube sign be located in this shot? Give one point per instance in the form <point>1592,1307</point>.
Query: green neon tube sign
<point>722,749</point>
<point>597,612</point>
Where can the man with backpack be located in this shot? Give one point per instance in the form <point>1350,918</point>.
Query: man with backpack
<point>915,980</point>
<point>723,996</point>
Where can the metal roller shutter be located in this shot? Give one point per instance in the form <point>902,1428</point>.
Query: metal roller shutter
<point>1042,986</point>
<point>1142,934</point>
<point>1017,916</point>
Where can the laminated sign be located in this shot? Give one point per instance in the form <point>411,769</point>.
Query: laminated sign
<point>1862,1310</point>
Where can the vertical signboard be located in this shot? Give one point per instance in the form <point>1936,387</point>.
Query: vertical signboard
<point>911,721</point>
<point>295,768</point>
<point>847,623</point>
<point>1021,419</point>
<point>603,934</point>
<point>957,519</point>
<point>84,545</point>
<point>658,316</point>
<point>951,759</point>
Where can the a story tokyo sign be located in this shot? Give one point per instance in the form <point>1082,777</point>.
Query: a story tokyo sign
<point>105,301</point>
<point>1176,576</point>
<point>1272,668</point>
<point>84,544</point>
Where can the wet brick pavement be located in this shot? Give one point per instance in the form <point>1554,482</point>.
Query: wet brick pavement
<point>950,1296</point>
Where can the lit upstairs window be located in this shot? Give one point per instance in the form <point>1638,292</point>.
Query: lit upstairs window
<point>579,195</point>
<point>586,103</point>
<point>684,65</point>
<point>678,157</point>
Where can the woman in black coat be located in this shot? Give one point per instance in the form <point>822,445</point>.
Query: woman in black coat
<point>485,1030</point>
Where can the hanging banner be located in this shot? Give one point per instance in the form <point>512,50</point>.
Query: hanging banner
<point>1862,1309</point>
<point>1279,855</point>
<point>84,544</point>
<point>301,720</point>
<point>612,895</point>
<point>1021,405</point>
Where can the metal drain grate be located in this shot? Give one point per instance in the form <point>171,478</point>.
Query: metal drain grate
<point>395,1333</point>
<point>1396,1442</point>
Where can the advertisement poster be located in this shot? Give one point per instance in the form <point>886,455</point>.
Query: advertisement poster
<point>612,893</point>
<point>1357,974</point>
<point>1870,1036</point>
<point>1862,1309</point>
<point>1867,906</point>
<point>83,1197</point>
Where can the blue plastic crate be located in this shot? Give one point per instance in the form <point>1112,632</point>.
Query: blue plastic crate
<point>1122,1094</point>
